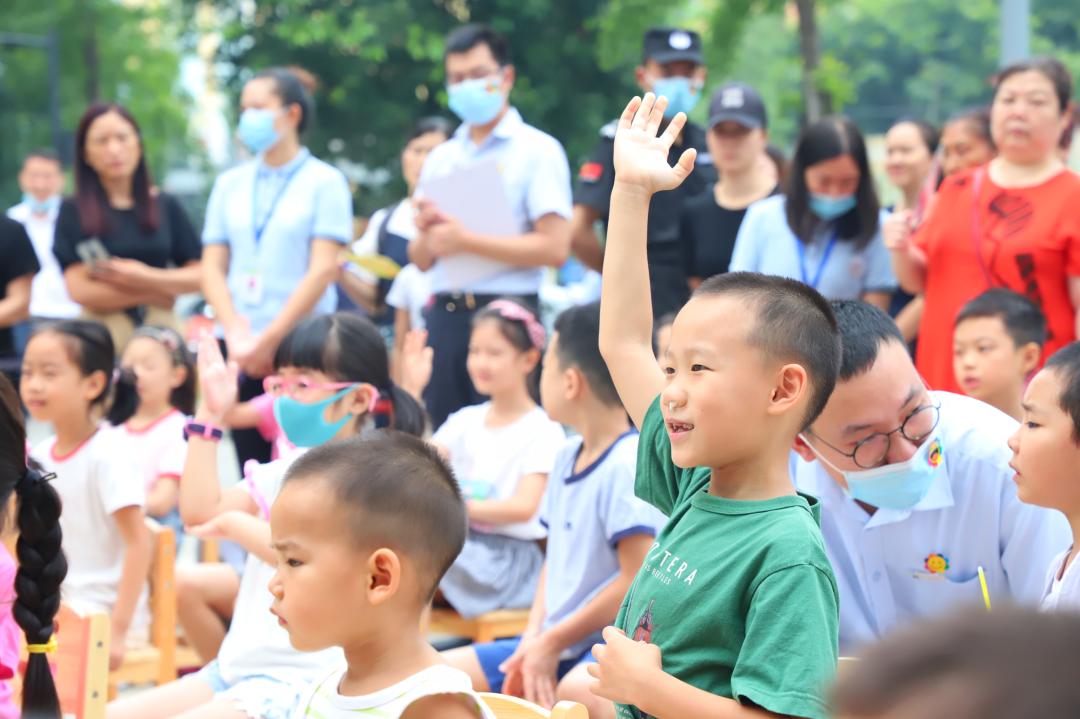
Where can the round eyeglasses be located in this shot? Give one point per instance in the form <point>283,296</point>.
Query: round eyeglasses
<point>872,451</point>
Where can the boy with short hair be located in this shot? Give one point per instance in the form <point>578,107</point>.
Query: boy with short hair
<point>736,607</point>
<point>364,529</point>
<point>598,531</point>
<point>1046,453</point>
<point>998,341</point>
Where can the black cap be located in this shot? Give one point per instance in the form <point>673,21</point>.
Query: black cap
<point>737,102</point>
<point>667,44</point>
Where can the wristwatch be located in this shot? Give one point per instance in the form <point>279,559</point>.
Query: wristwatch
<point>206,431</point>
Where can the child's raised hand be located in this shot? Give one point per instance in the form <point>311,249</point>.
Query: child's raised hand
<point>217,381</point>
<point>623,667</point>
<point>416,362</point>
<point>641,158</point>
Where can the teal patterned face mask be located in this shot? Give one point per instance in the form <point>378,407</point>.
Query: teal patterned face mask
<point>303,424</point>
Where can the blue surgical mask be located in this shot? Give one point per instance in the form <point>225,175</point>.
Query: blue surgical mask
<point>303,424</point>
<point>829,208</point>
<point>681,94</point>
<point>41,207</point>
<point>477,102</point>
<point>257,130</point>
<point>894,486</point>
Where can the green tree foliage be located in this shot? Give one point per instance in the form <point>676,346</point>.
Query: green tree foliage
<point>379,67</point>
<point>123,52</point>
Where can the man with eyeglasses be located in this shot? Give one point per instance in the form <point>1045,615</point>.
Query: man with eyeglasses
<point>536,179</point>
<point>916,491</point>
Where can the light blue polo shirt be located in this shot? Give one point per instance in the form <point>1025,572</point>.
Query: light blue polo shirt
<point>766,244</point>
<point>586,515</point>
<point>313,202</point>
<point>970,518</point>
<point>536,179</point>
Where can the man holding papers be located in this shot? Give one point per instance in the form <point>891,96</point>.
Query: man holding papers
<point>483,243</point>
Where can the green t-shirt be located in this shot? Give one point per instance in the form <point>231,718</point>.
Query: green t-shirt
<point>739,596</point>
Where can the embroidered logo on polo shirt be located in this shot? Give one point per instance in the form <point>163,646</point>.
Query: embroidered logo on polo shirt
<point>591,172</point>
<point>937,564</point>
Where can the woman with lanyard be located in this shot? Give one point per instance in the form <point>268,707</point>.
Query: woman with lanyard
<point>826,230</point>
<point>1014,222</point>
<point>274,228</point>
<point>126,249</point>
<point>389,233</point>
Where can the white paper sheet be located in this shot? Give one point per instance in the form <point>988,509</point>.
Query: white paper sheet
<point>476,197</point>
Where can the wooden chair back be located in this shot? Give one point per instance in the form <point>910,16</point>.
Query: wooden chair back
<point>488,627</point>
<point>506,707</point>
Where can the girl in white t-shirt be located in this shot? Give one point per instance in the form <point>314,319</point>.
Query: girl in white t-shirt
<point>332,381</point>
<point>149,414</point>
<point>501,452</point>
<point>67,376</point>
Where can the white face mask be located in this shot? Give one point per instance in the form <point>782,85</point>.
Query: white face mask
<point>901,485</point>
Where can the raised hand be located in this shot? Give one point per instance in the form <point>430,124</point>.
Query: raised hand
<point>217,381</point>
<point>641,158</point>
<point>416,362</point>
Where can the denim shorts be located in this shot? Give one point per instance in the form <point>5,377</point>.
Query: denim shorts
<point>260,697</point>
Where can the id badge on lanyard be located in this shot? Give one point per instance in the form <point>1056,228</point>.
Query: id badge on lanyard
<point>253,291</point>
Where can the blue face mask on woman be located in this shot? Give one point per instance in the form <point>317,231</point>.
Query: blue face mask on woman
<point>681,94</point>
<point>257,131</point>
<point>829,208</point>
<point>894,486</point>
<point>303,424</point>
<point>476,102</point>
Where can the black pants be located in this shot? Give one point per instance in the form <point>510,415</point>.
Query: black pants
<point>449,325</point>
<point>249,443</point>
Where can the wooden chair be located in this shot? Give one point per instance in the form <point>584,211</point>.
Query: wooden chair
<point>505,707</point>
<point>156,663</point>
<point>81,661</point>
<point>499,624</point>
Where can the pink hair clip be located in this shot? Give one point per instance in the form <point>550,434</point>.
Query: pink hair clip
<point>514,311</point>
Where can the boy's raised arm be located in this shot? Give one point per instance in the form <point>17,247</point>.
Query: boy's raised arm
<point>641,169</point>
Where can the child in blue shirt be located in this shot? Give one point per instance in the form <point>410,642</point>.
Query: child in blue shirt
<point>598,532</point>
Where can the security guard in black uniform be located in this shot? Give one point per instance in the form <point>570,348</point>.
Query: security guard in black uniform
<point>672,66</point>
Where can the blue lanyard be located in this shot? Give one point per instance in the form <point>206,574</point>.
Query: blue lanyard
<point>260,229</point>
<point>824,260</point>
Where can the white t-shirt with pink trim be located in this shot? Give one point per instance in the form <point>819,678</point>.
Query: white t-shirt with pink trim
<point>159,451</point>
<point>94,482</point>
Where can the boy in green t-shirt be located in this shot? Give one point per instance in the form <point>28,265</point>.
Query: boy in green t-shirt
<point>735,610</point>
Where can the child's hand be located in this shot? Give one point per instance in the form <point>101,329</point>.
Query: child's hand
<point>623,667</point>
<point>532,671</point>
<point>416,363</point>
<point>117,647</point>
<point>641,158</point>
<point>217,380</point>
<point>220,527</point>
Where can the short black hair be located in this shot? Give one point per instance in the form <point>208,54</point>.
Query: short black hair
<point>467,37</point>
<point>793,324</point>
<point>970,664</point>
<point>579,346</point>
<point>1023,319</point>
<point>1065,363</point>
<point>43,153</point>
<point>824,140</point>
<point>863,329</point>
<point>432,124</point>
<point>931,136</point>
<point>978,121</point>
<point>1049,67</point>
<point>399,494</point>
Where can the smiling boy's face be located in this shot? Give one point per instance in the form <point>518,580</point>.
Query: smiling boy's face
<point>720,385</point>
<point>1045,455</point>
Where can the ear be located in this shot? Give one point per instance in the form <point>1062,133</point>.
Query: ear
<point>509,75</point>
<point>384,575</point>
<point>701,74</point>
<point>791,385</point>
<point>1029,357</point>
<point>639,77</point>
<point>358,401</point>
<point>95,385</point>
<point>531,359</point>
<point>575,383</point>
<point>294,114</point>
<point>178,376</point>
<point>802,449</point>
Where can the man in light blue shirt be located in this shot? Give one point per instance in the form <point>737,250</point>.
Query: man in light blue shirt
<point>536,179</point>
<point>916,491</point>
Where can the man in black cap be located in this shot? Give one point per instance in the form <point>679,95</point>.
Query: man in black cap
<point>672,66</point>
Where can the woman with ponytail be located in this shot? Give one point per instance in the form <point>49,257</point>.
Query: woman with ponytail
<point>67,380</point>
<point>35,583</point>
<point>331,380</point>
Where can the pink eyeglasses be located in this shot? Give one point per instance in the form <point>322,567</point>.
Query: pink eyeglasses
<point>299,388</point>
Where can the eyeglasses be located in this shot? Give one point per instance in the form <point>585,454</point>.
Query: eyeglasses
<point>298,388</point>
<point>873,450</point>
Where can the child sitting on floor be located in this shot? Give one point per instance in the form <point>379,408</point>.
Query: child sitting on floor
<point>736,608</point>
<point>997,344</point>
<point>598,532</point>
<point>501,452</point>
<point>364,529</point>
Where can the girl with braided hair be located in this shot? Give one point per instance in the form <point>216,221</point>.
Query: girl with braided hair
<point>27,495</point>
